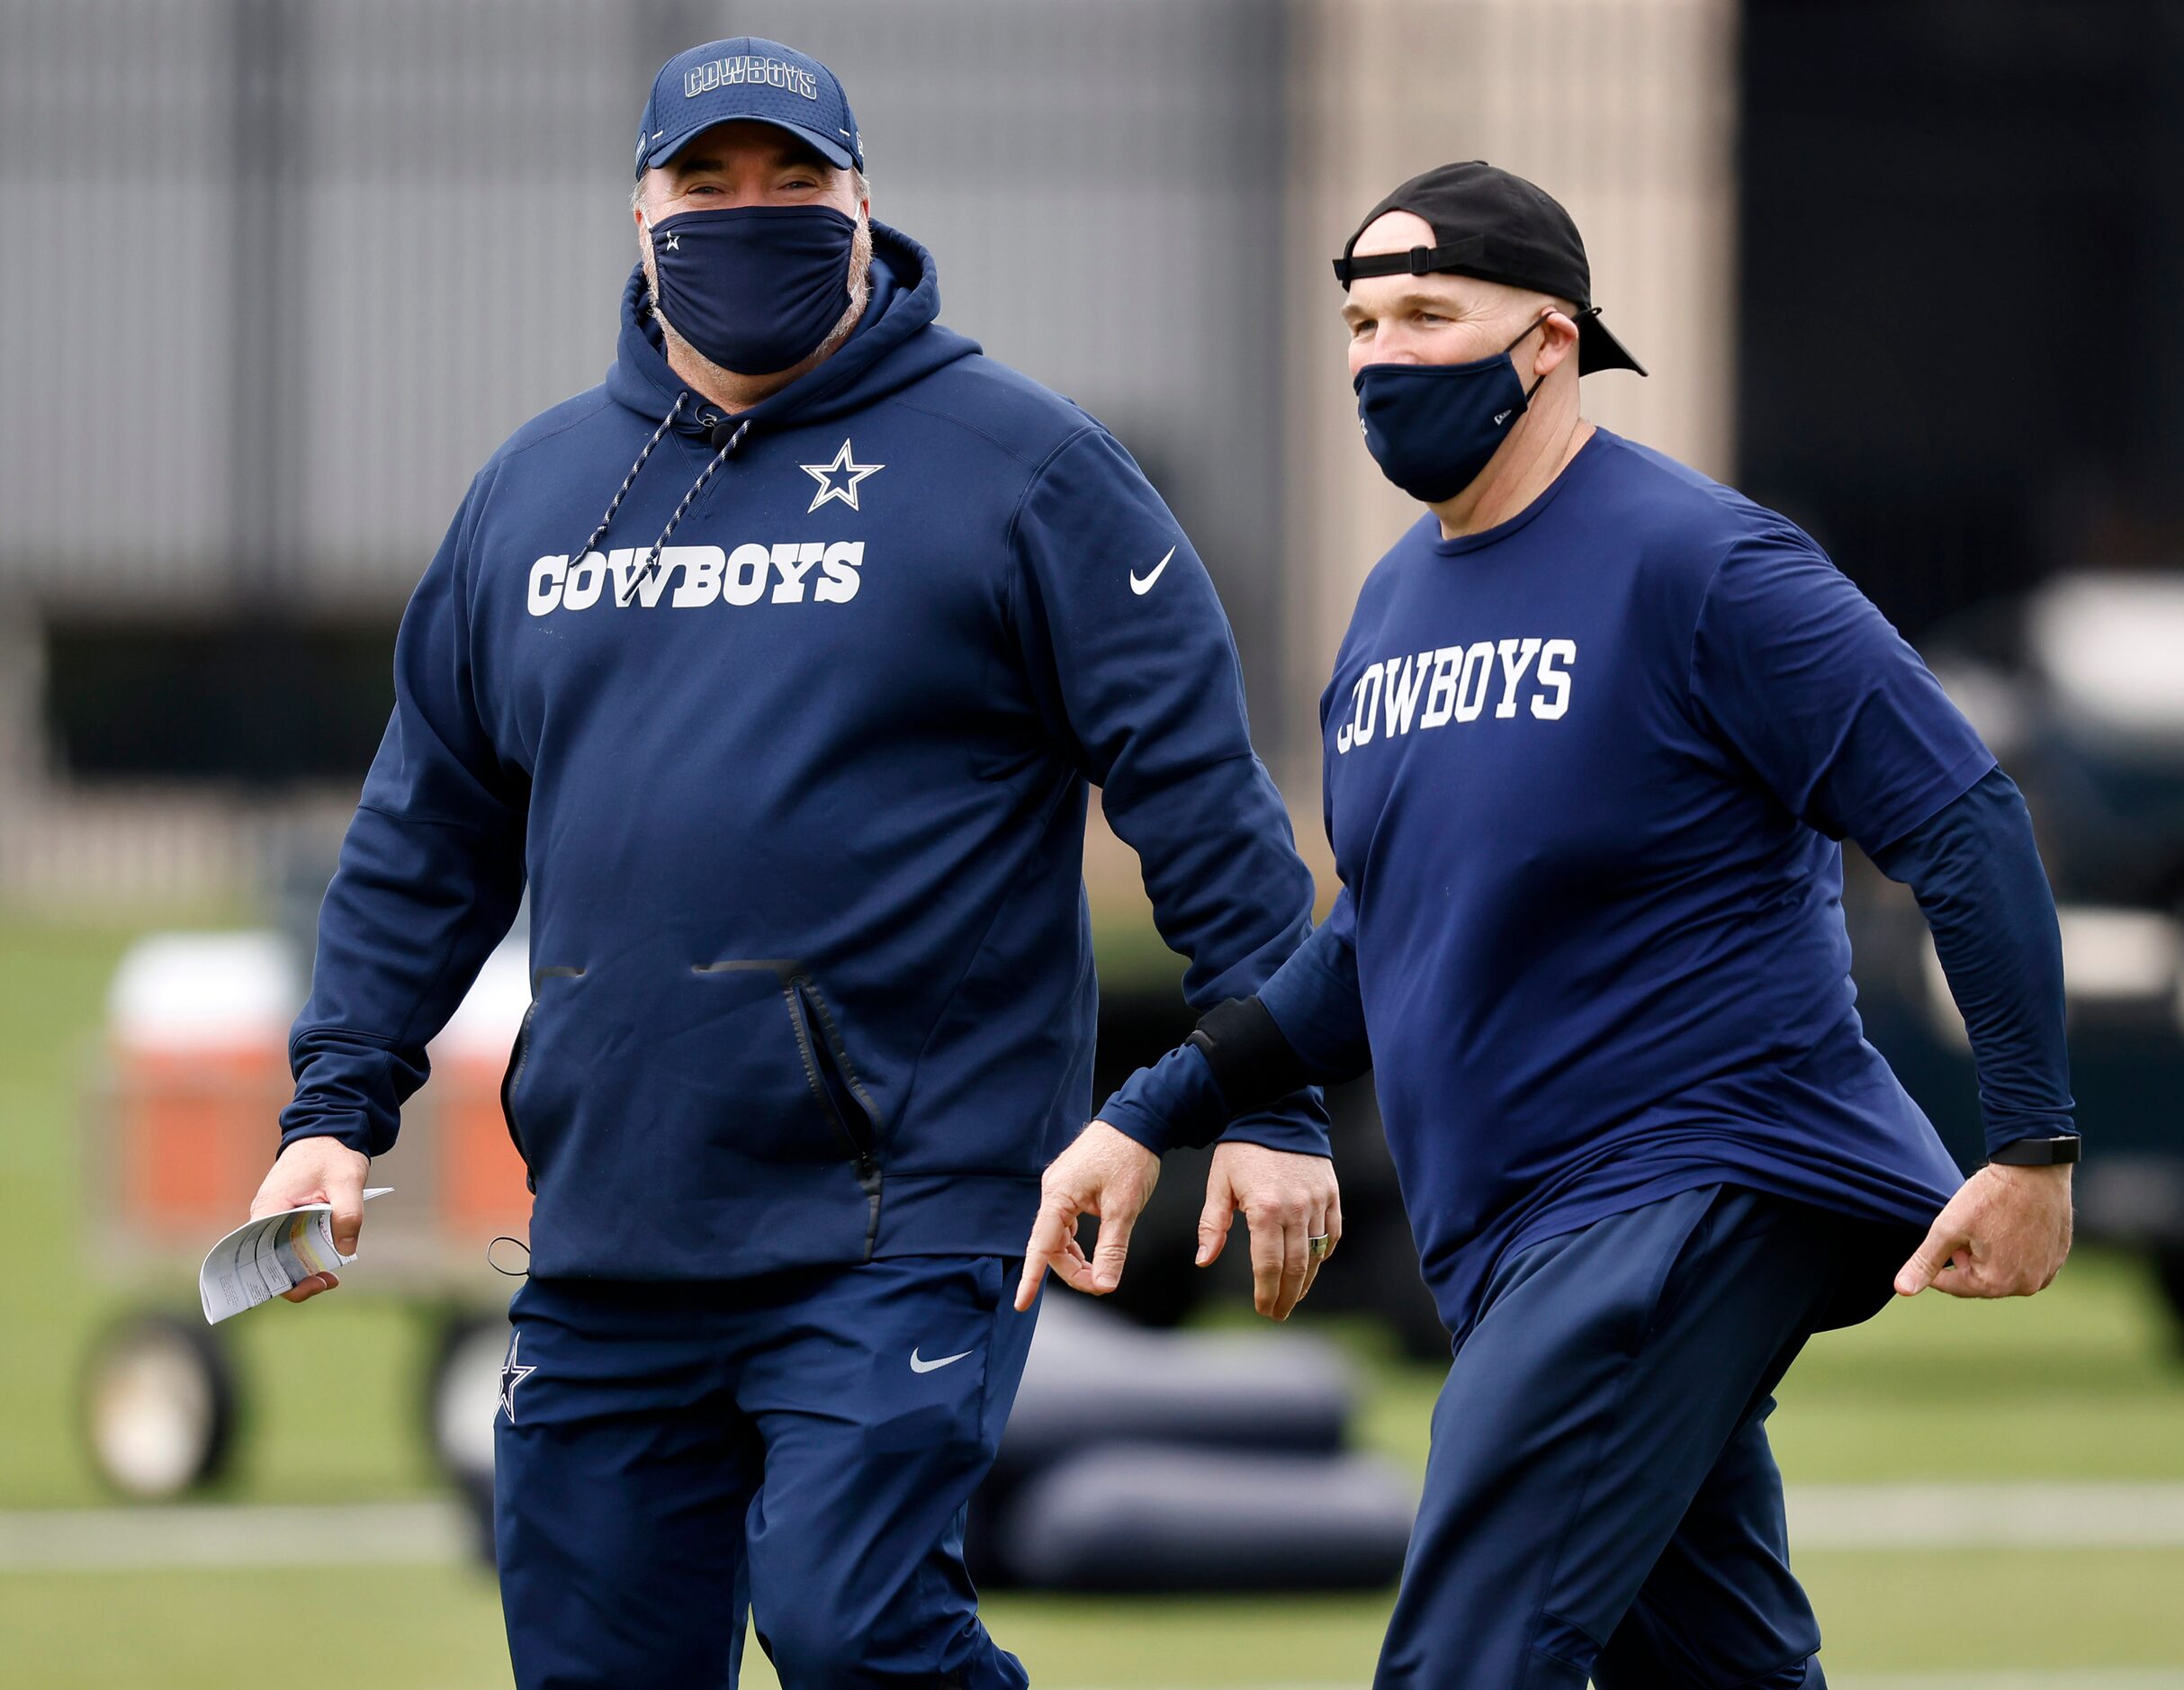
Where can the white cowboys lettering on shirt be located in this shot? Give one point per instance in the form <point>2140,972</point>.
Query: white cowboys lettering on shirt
<point>797,572</point>
<point>1454,684</point>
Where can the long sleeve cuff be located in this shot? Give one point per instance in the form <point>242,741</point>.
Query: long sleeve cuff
<point>1298,1124</point>
<point>1172,1102</point>
<point>1176,1101</point>
<point>354,1133</point>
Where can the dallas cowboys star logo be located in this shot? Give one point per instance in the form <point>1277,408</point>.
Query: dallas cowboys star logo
<point>673,242</point>
<point>511,1376</point>
<point>844,466</point>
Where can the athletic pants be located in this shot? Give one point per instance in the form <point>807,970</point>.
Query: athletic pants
<point>1600,1501</point>
<point>799,1447</point>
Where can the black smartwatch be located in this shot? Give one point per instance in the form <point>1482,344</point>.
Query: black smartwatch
<point>2038,1153</point>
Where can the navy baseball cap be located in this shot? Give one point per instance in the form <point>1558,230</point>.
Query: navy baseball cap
<point>750,77</point>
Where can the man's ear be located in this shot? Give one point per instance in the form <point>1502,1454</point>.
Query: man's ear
<point>1558,341</point>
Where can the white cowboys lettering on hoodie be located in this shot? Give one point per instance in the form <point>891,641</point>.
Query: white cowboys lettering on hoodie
<point>797,572</point>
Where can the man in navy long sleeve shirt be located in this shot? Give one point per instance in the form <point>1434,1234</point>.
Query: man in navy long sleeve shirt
<point>779,667</point>
<point>1593,739</point>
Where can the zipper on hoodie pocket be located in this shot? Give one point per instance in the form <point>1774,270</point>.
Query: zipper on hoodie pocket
<point>829,1065</point>
<point>512,1075</point>
<point>826,1067</point>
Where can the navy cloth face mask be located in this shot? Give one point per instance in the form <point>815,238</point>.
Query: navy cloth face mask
<point>1431,426</point>
<point>755,288</point>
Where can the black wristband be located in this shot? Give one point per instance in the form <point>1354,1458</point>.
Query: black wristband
<point>1252,1062</point>
<point>2038,1153</point>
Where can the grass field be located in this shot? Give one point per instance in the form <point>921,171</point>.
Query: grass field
<point>2082,1383</point>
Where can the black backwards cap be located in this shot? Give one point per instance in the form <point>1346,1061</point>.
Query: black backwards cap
<point>1500,228</point>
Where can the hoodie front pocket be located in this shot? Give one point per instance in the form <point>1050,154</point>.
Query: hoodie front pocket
<point>519,1054</point>
<point>685,1070</point>
<point>777,1105</point>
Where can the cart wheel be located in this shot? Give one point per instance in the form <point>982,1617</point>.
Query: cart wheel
<point>462,1398</point>
<point>157,1406</point>
<point>2168,1274</point>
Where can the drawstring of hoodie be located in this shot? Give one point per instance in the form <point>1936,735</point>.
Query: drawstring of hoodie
<point>629,481</point>
<point>652,558</point>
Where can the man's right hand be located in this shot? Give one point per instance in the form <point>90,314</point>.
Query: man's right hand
<point>317,1170</point>
<point>1104,1173</point>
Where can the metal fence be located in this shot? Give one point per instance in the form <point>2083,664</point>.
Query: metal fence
<point>280,273</point>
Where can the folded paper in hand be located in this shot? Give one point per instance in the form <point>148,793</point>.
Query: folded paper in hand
<point>262,1258</point>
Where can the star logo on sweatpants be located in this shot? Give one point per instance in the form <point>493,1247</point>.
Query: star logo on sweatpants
<point>845,468</point>
<point>512,1374</point>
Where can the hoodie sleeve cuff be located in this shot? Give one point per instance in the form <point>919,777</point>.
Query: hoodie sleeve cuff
<point>1172,1102</point>
<point>1176,1101</point>
<point>355,1132</point>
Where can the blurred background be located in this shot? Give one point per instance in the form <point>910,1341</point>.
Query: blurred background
<point>275,275</point>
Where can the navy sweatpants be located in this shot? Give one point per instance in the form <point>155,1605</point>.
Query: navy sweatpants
<point>1600,1501</point>
<point>800,1448</point>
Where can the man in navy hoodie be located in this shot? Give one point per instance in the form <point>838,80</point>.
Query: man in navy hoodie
<point>778,666</point>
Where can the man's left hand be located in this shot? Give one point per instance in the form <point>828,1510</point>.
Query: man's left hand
<point>1288,1199</point>
<point>2004,1234</point>
<point>1107,1174</point>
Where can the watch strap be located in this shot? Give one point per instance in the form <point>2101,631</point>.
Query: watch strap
<point>2038,1153</point>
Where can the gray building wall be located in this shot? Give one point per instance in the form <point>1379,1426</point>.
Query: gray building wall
<point>275,276</point>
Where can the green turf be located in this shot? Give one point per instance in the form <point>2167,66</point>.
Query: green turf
<point>427,1628</point>
<point>2016,1609</point>
<point>439,1629</point>
<point>2082,1382</point>
<point>2085,1381</point>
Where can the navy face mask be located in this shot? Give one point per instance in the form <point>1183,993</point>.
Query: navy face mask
<point>755,288</point>
<point>1433,426</point>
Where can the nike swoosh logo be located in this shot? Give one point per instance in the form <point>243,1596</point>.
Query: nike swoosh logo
<point>1141,588</point>
<point>917,1366</point>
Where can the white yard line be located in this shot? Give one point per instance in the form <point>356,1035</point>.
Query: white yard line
<point>2118,1514</point>
<point>213,1534</point>
<point>2052,1678</point>
<point>2045,1516</point>
<point>2049,1678</point>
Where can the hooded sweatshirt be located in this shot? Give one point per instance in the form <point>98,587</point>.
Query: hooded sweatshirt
<point>800,802</point>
